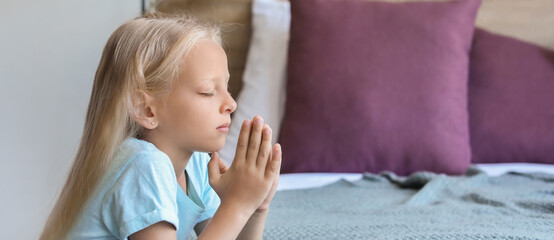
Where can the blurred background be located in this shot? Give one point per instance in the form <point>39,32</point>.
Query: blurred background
<point>49,53</point>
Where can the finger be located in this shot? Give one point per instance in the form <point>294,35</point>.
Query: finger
<point>254,141</point>
<point>275,165</point>
<point>242,143</point>
<point>264,155</point>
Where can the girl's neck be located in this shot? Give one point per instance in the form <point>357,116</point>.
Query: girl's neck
<point>179,160</point>
<point>178,157</point>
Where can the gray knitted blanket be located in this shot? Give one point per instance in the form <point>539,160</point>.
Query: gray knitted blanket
<point>421,206</point>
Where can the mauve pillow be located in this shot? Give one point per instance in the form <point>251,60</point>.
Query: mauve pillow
<point>511,101</point>
<point>378,86</point>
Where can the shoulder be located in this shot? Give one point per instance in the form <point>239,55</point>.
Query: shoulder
<point>140,168</point>
<point>143,189</point>
<point>137,155</point>
<point>138,161</point>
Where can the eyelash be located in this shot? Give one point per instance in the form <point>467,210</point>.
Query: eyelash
<point>211,94</point>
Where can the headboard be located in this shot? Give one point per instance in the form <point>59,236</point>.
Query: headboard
<point>529,20</point>
<point>236,39</point>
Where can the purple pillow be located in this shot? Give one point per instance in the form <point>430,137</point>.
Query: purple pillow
<point>511,101</point>
<point>376,86</point>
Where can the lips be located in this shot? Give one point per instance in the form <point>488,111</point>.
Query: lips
<point>224,128</point>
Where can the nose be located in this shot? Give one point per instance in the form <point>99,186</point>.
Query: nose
<point>229,104</point>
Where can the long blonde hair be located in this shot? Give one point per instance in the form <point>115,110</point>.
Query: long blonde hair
<point>143,54</point>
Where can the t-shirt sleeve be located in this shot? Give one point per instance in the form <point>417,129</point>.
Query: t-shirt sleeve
<point>209,196</point>
<point>145,193</point>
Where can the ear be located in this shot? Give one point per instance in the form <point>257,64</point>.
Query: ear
<point>144,109</point>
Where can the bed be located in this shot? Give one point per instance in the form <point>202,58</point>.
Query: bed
<point>498,201</point>
<point>399,119</point>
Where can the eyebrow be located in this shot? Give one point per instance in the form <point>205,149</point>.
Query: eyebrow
<point>213,79</point>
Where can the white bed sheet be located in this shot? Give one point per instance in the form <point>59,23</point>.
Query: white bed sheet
<point>291,181</point>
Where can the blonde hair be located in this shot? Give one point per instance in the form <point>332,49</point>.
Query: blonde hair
<point>143,54</point>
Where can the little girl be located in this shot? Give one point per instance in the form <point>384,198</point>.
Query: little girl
<point>159,103</point>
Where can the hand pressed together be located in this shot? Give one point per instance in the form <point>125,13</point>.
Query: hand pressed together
<point>251,181</point>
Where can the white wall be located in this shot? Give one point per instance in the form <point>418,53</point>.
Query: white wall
<point>49,51</point>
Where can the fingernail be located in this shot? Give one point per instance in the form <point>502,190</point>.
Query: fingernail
<point>246,122</point>
<point>258,120</point>
<point>267,131</point>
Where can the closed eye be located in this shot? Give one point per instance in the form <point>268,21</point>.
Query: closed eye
<point>210,94</point>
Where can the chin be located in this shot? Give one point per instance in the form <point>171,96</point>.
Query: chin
<point>210,145</point>
<point>214,148</point>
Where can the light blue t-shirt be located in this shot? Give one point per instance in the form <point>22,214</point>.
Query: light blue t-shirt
<point>140,188</point>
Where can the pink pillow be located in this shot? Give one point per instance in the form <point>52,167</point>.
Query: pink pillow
<point>376,86</point>
<point>511,101</point>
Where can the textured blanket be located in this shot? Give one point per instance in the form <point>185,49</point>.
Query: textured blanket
<point>421,206</point>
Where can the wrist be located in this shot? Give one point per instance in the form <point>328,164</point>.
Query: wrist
<point>240,210</point>
<point>227,222</point>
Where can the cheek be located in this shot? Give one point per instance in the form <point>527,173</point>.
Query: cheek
<point>197,117</point>
<point>190,112</point>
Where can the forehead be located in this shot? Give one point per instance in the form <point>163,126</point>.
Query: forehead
<point>205,61</point>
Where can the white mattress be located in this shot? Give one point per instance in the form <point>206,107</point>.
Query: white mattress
<point>309,180</point>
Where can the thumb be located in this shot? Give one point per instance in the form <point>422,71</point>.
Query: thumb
<point>275,167</point>
<point>222,165</point>
<point>214,167</point>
